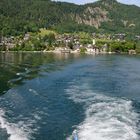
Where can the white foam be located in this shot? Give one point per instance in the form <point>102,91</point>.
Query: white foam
<point>16,131</point>
<point>107,118</point>
<point>18,74</point>
<point>33,91</point>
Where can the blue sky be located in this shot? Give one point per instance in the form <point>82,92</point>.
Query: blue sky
<point>136,2</point>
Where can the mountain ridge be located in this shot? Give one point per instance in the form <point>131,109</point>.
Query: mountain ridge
<point>22,16</point>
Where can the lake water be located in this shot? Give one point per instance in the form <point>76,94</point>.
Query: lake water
<point>48,96</point>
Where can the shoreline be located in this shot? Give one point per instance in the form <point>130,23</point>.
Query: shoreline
<point>71,52</point>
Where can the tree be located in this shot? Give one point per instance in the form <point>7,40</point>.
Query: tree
<point>85,38</point>
<point>50,39</point>
<point>70,45</point>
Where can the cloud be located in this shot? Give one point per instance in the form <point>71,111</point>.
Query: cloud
<point>136,2</point>
<point>78,1</point>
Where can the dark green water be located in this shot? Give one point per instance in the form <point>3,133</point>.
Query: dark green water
<point>48,96</point>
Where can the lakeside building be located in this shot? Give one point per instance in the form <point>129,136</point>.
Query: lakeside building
<point>137,37</point>
<point>26,37</point>
<point>8,42</point>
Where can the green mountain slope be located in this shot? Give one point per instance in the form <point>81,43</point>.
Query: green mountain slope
<point>20,16</point>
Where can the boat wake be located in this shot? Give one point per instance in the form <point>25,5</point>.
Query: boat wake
<point>21,130</point>
<point>15,131</point>
<point>106,118</point>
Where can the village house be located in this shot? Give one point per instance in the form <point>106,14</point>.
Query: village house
<point>90,48</point>
<point>26,37</point>
<point>104,48</point>
<point>120,36</point>
<point>132,51</point>
<point>8,42</point>
<point>137,37</point>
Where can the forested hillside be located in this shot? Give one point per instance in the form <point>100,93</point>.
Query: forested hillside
<point>20,16</point>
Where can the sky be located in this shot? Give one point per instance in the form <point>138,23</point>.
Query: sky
<point>136,2</point>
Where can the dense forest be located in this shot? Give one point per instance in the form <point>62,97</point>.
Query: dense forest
<point>21,16</point>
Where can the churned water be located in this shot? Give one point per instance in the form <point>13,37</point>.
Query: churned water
<point>48,96</point>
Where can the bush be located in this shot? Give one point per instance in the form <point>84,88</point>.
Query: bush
<point>122,46</point>
<point>83,50</point>
<point>138,47</point>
